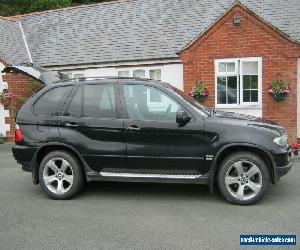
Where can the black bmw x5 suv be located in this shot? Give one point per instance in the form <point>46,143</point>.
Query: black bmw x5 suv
<point>122,129</point>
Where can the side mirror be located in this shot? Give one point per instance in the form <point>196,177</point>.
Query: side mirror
<point>182,118</point>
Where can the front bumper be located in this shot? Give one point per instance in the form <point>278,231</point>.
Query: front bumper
<point>283,162</point>
<point>24,156</point>
<point>281,171</point>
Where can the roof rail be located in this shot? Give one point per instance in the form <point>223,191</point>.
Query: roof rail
<point>102,77</point>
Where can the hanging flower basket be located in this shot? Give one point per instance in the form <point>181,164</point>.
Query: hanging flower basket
<point>278,98</point>
<point>279,90</point>
<point>199,92</point>
<point>201,98</point>
<point>5,99</point>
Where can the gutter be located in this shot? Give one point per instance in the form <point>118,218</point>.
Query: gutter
<point>25,42</point>
<point>127,63</point>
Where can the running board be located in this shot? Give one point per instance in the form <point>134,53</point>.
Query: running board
<point>162,176</point>
<point>148,177</point>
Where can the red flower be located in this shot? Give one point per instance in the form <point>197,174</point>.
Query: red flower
<point>205,92</point>
<point>294,146</point>
<point>7,96</point>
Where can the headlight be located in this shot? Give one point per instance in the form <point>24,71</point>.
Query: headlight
<point>281,141</point>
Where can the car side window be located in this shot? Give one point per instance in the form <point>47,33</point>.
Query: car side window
<point>99,101</point>
<point>149,104</point>
<point>75,107</point>
<point>52,101</point>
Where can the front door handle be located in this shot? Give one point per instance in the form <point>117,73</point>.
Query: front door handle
<point>134,128</point>
<point>71,124</point>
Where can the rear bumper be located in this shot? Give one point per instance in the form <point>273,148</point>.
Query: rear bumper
<point>24,156</point>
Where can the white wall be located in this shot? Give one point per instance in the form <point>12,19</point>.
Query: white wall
<point>108,71</point>
<point>3,113</point>
<point>171,72</point>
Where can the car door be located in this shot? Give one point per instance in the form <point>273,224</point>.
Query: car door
<point>155,142</point>
<point>92,124</point>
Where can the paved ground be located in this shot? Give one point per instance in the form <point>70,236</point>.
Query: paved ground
<point>137,216</point>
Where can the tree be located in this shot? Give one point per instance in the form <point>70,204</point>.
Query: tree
<point>18,7</point>
<point>40,5</point>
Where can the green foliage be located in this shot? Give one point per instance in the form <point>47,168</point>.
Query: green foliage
<point>40,5</point>
<point>35,86</point>
<point>17,7</point>
<point>21,101</point>
<point>199,90</point>
<point>279,87</point>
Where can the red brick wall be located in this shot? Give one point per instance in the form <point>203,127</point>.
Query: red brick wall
<point>19,87</point>
<point>253,38</point>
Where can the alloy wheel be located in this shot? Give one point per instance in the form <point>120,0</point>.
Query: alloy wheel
<point>243,180</point>
<point>58,176</point>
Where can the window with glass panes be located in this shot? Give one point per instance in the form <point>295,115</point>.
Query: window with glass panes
<point>123,73</point>
<point>153,73</point>
<point>238,81</point>
<point>140,73</point>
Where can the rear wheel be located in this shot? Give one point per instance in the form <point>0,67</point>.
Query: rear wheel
<point>243,178</point>
<point>61,175</point>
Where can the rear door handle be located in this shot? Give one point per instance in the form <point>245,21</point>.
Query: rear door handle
<point>134,128</point>
<point>71,124</point>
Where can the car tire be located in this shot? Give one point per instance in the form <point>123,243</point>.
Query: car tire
<point>243,178</point>
<point>61,175</point>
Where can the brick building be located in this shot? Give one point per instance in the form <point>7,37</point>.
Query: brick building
<point>235,48</point>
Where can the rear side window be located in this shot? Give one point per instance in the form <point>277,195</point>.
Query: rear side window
<point>99,101</point>
<point>52,101</point>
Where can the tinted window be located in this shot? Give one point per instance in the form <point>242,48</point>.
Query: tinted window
<point>52,101</point>
<point>99,101</point>
<point>75,105</point>
<point>147,103</point>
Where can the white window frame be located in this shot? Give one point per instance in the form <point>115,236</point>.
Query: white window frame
<point>238,73</point>
<point>139,70</point>
<point>154,104</point>
<point>147,70</point>
<point>72,73</point>
<point>123,71</point>
<point>147,76</point>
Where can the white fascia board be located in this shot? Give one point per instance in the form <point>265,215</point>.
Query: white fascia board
<point>116,64</point>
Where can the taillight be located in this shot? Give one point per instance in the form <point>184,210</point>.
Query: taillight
<point>18,134</point>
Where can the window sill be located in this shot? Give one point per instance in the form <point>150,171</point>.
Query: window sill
<point>230,106</point>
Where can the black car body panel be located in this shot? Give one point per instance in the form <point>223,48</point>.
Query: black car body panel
<point>122,144</point>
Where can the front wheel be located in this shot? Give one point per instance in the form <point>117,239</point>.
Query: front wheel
<point>61,175</point>
<point>243,178</point>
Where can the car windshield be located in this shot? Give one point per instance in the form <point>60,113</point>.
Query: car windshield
<point>195,104</point>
